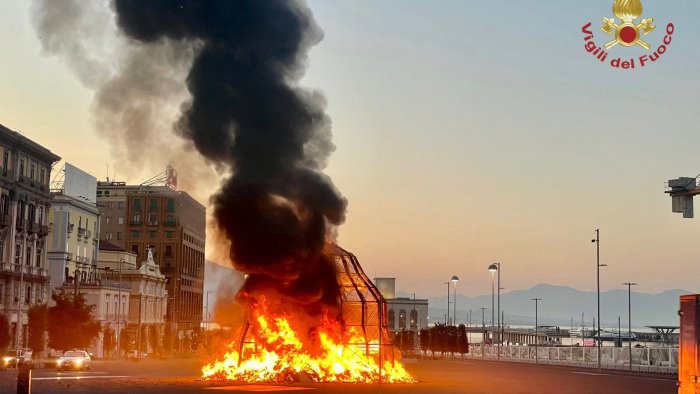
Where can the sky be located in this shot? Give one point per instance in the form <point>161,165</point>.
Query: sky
<point>466,132</point>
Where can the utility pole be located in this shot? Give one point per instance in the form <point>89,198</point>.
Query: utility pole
<point>483,331</point>
<point>598,265</point>
<point>18,328</point>
<point>447,319</point>
<point>629,311</point>
<point>537,337</point>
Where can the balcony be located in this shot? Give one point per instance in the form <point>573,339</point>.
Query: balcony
<point>21,225</point>
<point>135,223</point>
<point>5,220</point>
<point>152,223</point>
<point>34,228</point>
<point>81,232</point>
<point>44,230</point>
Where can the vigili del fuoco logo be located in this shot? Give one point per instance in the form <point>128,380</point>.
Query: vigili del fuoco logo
<point>626,30</point>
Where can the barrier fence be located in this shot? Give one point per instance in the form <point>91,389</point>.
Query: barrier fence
<point>655,360</point>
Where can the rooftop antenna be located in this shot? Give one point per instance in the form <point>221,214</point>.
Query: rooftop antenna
<point>107,164</point>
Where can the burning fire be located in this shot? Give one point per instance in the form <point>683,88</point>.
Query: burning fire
<point>279,354</point>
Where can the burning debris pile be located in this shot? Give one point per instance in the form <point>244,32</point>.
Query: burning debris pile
<point>270,138</point>
<point>280,346</point>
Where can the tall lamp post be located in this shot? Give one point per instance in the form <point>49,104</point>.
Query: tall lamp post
<point>454,279</point>
<point>629,312</point>
<point>598,265</point>
<point>537,337</point>
<point>495,268</point>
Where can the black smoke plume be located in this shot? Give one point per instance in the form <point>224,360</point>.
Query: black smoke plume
<point>248,113</point>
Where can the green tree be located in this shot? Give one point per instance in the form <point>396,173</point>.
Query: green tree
<point>37,324</point>
<point>4,332</point>
<point>70,322</point>
<point>462,340</point>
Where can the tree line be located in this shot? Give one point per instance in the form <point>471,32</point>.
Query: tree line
<point>439,339</point>
<point>68,324</point>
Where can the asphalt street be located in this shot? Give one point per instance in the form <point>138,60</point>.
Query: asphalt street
<point>471,376</point>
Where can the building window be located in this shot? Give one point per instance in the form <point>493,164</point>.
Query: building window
<point>99,193</point>
<point>135,249</point>
<point>168,251</point>
<point>152,234</point>
<point>414,319</point>
<point>108,220</point>
<point>108,298</point>
<point>168,234</point>
<point>32,170</point>
<point>135,234</point>
<point>6,161</point>
<point>42,178</point>
<point>119,235</point>
<point>109,235</point>
<point>21,166</point>
<point>152,219</point>
<point>120,205</point>
<point>154,205</point>
<point>120,220</point>
<point>38,257</point>
<point>170,221</point>
<point>402,319</point>
<point>171,205</point>
<point>137,220</point>
<point>28,256</point>
<point>137,204</point>
<point>392,317</point>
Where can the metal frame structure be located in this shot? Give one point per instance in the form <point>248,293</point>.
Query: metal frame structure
<point>363,308</point>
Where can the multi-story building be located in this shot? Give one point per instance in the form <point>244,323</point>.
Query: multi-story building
<point>24,205</point>
<point>73,239</point>
<point>172,224</point>
<point>148,297</point>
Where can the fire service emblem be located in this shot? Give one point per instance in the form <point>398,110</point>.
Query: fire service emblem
<point>627,30</point>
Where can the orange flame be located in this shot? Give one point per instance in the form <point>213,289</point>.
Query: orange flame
<point>330,354</point>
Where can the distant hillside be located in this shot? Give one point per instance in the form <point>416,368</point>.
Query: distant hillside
<point>561,303</point>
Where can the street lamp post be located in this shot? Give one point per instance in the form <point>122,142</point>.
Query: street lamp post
<point>454,279</point>
<point>537,337</point>
<point>495,268</point>
<point>598,265</point>
<point>629,312</point>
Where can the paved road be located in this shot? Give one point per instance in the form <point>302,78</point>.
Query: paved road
<point>473,376</point>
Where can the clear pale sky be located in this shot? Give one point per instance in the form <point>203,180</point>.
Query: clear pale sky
<point>467,132</point>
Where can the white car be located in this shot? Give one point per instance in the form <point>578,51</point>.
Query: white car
<point>74,359</point>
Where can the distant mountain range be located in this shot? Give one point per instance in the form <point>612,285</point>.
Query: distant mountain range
<point>558,306</point>
<point>562,303</point>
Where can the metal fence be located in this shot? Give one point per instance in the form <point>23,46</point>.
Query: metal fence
<point>655,360</point>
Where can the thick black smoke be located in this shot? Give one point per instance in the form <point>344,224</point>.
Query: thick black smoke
<point>248,113</point>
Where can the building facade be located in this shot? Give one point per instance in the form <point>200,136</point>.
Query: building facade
<point>403,313</point>
<point>73,240</point>
<point>24,224</point>
<point>170,223</point>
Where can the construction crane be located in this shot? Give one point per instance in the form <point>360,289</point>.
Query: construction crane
<point>682,191</point>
